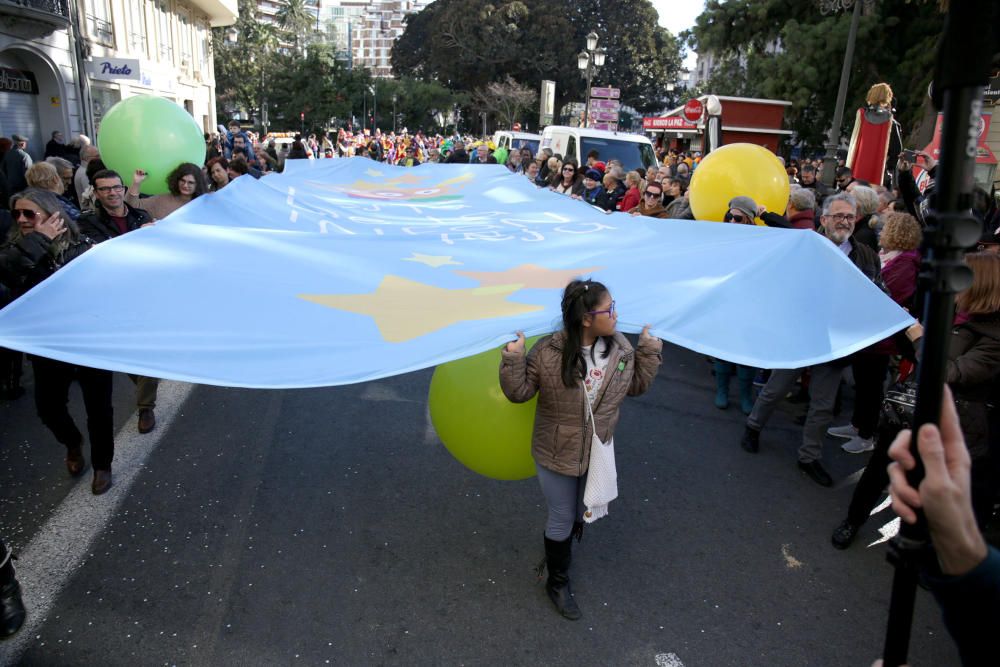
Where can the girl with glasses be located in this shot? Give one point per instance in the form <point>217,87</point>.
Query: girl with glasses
<point>186,182</point>
<point>581,375</point>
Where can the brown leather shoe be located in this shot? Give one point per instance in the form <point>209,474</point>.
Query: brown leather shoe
<point>74,460</point>
<point>102,482</point>
<point>147,420</point>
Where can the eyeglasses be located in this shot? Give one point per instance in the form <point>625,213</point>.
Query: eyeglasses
<point>841,217</point>
<point>568,169</point>
<point>187,181</point>
<point>647,193</point>
<point>26,213</point>
<point>110,188</point>
<point>610,310</point>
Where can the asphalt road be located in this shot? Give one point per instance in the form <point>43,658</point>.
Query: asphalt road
<point>330,526</point>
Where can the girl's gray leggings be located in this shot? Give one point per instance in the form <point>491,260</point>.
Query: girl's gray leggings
<point>564,497</point>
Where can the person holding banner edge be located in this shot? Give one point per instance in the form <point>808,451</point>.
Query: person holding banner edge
<point>581,375</point>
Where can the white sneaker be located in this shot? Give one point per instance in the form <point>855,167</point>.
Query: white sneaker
<point>858,445</point>
<point>847,431</point>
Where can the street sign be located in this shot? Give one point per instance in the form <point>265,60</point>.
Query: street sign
<point>604,115</point>
<point>668,123</point>
<point>694,110</point>
<point>606,105</point>
<point>613,93</point>
<point>613,127</point>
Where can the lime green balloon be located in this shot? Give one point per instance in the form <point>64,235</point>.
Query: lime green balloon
<point>481,428</point>
<point>152,134</point>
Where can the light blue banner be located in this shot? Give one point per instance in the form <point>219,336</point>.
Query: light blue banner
<point>342,271</point>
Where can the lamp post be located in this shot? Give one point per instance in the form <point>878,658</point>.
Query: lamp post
<point>833,138</point>
<point>394,113</point>
<point>589,61</point>
<point>374,107</point>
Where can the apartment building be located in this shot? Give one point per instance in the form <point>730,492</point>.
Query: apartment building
<point>152,47</point>
<point>39,73</point>
<point>64,63</point>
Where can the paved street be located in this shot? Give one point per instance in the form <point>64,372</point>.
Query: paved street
<point>329,526</point>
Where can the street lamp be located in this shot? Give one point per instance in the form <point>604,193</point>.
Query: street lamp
<point>394,113</point>
<point>589,61</point>
<point>374,106</point>
<point>833,138</point>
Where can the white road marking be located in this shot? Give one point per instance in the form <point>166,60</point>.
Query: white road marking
<point>430,434</point>
<point>888,531</point>
<point>668,660</point>
<point>46,565</point>
<point>851,479</point>
<point>885,503</point>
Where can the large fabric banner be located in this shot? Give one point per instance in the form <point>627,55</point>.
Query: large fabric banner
<point>342,271</point>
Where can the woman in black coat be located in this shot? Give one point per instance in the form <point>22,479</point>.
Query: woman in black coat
<point>973,373</point>
<point>43,240</point>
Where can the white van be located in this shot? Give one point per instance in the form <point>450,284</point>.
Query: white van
<point>517,140</point>
<point>634,150</point>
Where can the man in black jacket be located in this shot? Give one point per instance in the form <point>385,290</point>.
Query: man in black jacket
<point>112,218</point>
<point>458,154</point>
<point>839,216</point>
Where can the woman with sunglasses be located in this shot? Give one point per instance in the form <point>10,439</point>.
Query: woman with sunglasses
<point>43,240</point>
<point>581,375</point>
<point>567,181</point>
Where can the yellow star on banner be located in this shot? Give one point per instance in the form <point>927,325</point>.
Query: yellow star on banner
<point>528,275</point>
<point>373,172</point>
<point>434,261</point>
<point>404,309</point>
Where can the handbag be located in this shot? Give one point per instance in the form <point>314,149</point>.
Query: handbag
<point>900,402</point>
<point>602,476</point>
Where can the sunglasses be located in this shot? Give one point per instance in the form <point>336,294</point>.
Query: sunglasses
<point>738,218</point>
<point>25,213</point>
<point>610,310</point>
<point>652,194</point>
<point>568,169</point>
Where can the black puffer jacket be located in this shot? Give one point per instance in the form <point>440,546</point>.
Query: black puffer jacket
<point>99,226</point>
<point>29,260</point>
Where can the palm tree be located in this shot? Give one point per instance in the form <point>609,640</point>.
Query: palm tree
<point>294,17</point>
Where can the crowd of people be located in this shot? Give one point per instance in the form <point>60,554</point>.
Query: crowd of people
<point>53,211</point>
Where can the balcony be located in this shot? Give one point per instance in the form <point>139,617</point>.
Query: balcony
<point>39,17</point>
<point>220,12</point>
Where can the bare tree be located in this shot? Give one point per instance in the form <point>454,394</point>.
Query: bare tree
<point>507,100</point>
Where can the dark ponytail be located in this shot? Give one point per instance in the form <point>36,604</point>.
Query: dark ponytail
<point>579,298</point>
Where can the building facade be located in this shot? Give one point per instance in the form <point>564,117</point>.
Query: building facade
<point>64,63</point>
<point>152,47</point>
<point>39,72</point>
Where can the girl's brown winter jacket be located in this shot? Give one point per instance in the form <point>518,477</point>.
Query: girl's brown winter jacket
<point>562,435</point>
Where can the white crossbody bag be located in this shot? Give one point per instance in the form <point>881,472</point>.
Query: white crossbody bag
<point>602,477</point>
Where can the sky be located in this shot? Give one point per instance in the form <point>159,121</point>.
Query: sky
<point>678,15</point>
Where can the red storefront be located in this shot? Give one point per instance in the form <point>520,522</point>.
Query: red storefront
<point>744,120</point>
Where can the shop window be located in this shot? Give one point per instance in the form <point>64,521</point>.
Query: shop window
<point>103,99</point>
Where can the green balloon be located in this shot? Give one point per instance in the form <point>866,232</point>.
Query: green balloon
<point>152,134</point>
<point>481,428</point>
<point>501,155</point>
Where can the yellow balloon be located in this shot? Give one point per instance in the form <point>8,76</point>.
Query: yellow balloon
<point>737,170</point>
<point>482,429</point>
